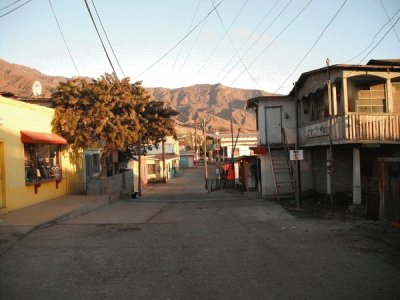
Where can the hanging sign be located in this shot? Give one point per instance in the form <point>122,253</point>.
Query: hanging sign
<point>296,154</point>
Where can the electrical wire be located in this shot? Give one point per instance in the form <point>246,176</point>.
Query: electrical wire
<point>11,4</point>
<point>313,46</point>
<point>279,34</point>
<point>63,37</point>
<point>233,46</point>
<point>108,40</point>
<point>248,38</point>
<point>101,40</point>
<point>259,37</point>
<point>373,38</point>
<point>190,26</point>
<point>179,42</point>
<point>225,34</point>
<point>377,44</point>
<point>387,15</point>
<point>14,9</point>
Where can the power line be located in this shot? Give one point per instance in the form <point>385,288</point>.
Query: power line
<point>62,35</point>
<point>191,49</point>
<point>108,40</point>
<point>101,40</point>
<point>14,9</point>
<point>178,43</point>
<point>373,38</point>
<point>315,43</point>
<point>259,37</point>
<point>376,45</point>
<point>248,37</point>
<point>225,34</point>
<point>11,4</point>
<point>387,15</point>
<point>233,46</point>
<point>279,34</point>
<point>191,22</point>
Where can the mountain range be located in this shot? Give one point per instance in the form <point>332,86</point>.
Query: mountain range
<point>216,103</point>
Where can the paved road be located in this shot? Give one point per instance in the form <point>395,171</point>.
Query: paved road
<point>178,242</point>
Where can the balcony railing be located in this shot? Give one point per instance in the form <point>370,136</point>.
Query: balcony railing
<point>353,127</point>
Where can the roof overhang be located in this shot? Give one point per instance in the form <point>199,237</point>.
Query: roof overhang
<point>32,137</point>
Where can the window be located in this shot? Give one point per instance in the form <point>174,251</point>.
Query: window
<point>151,169</point>
<point>42,162</point>
<point>371,98</point>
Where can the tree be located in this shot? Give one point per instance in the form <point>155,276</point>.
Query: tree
<point>109,114</point>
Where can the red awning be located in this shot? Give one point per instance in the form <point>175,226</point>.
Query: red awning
<point>259,150</point>
<point>31,137</point>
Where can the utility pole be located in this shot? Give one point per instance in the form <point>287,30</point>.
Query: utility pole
<point>140,166</point>
<point>330,154</point>
<point>298,179</point>
<point>163,158</point>
<point>195,142</point>
<point>205,151</point>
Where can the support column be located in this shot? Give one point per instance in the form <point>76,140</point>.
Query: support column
<point>345,96</point>
<point>389,96</point>
<point>334,100</point>
<point>356,177</point>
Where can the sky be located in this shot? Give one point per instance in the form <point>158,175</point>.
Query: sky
<point>252,44</point>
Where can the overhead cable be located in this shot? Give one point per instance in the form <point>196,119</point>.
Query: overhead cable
<point>248,37</point>
<point>108,40</point>
<point>180,41</point>
<point>259,37</point>
<point>233,46</point>
<point>225,34</point>
<point>270,43</point>
<point>101,40</point>
<point>65,41</point>
<point>373,38</point>
<point>313,46</point>
<point>387,15</point>
<point>11,4</point>
<point>190,26</point>
<point>14,9</point>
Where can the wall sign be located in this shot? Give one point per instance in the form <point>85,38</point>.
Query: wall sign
<point>317,129</point>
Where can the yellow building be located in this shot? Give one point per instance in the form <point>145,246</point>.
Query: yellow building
<point>34,163</point>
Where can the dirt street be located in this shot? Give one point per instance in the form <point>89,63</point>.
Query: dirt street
<point>179,242</point>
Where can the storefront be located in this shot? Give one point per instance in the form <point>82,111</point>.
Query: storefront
<point>33,161</point>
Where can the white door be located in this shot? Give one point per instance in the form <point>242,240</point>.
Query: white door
<point>273,124</point>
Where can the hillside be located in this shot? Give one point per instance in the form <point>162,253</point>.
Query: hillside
<point>215,103</point>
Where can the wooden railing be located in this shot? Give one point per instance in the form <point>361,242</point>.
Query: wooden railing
<point>372,127</point>
<point>353,127</point>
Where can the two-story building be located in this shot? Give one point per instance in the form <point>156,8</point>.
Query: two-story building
<point>347,117</point>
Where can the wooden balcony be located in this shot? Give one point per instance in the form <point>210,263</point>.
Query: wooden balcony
<point>353,128</point>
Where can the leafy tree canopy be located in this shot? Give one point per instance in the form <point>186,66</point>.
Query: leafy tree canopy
<point>109,114</point>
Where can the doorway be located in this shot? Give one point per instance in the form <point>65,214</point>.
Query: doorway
<point>273,124</point>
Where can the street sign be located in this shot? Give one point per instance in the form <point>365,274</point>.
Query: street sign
<point>296,154</point>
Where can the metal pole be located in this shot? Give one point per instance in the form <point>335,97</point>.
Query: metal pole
<point>164,165</point>
<point>330,161</point>
<point>140,166</point>
<point>195,142</point>
<point>298,180</point>
<point>205,152</point>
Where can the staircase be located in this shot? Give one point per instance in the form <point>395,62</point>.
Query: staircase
<point>282,170</point>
